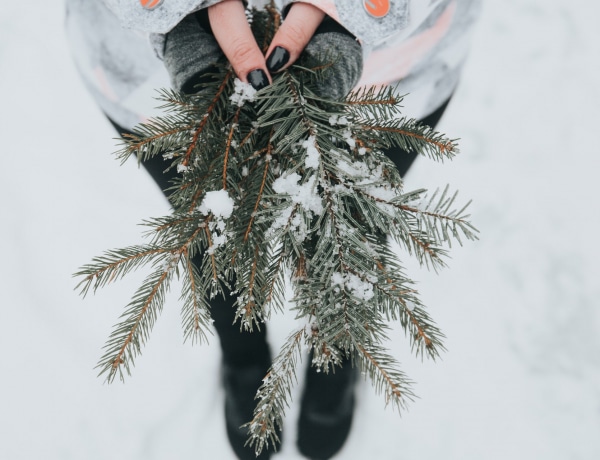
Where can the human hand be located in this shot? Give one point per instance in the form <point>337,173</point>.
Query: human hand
<point>232,32</point>
<point>196,43</point>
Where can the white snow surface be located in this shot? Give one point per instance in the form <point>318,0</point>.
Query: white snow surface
<point>521,377</point>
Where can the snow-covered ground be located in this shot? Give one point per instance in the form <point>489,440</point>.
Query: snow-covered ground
<point>521,378</point>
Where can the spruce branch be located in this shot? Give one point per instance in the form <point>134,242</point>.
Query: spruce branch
<point>439,219</point>
<point>126,340</point>
<point>114,265</point>
<point>412,136</point>
<point>285,180</point>
<point>274,395</point>
<point>382,369</point>
<point>195,310</point>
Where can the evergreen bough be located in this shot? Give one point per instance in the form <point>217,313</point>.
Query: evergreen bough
<point>313,195</point>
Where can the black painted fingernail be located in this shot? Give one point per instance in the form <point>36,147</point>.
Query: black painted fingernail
<point>277,59</point>
<point>258,79</point>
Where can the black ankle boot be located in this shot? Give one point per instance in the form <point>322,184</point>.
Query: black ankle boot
<point>241,383</point>
<point>326,411</point>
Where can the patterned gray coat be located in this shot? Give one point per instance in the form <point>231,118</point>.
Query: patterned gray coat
<point>419,44</point>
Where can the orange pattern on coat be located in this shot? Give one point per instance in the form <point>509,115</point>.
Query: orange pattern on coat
<point>377,8</point>
<point>150,4</point>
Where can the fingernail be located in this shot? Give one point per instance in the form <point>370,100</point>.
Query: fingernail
<point>277,59</point>
<point>258,79</point>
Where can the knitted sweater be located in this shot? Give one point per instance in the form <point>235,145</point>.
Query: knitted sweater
<point>420,45</point>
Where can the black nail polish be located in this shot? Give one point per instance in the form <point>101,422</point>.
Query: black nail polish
<point>258,79</point>
<point>277,59</point>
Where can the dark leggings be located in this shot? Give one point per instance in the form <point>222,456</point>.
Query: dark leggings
<point>241,347</point>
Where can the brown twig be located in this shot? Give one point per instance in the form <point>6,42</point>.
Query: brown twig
<point>228,146</point>
<point>204,120</point>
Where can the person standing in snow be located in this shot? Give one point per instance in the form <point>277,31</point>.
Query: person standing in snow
<point>125,49</point>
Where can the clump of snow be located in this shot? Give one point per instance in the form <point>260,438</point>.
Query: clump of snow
<point>356,169</point>
<point>304,194</point>
<point>382,192</point>
<point>410,305</point>
<point>282,219</point>
<point>312,153</point>
<point>347,135</point>
<point>359,288</point>
<point>217,240</point>
<point>372,182</point>
<point>337,278</point>
<point>242,92</point>
<point>337,120</point>
<point>171,262</point>
<point>218,203</point>
<point>383,195</point>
